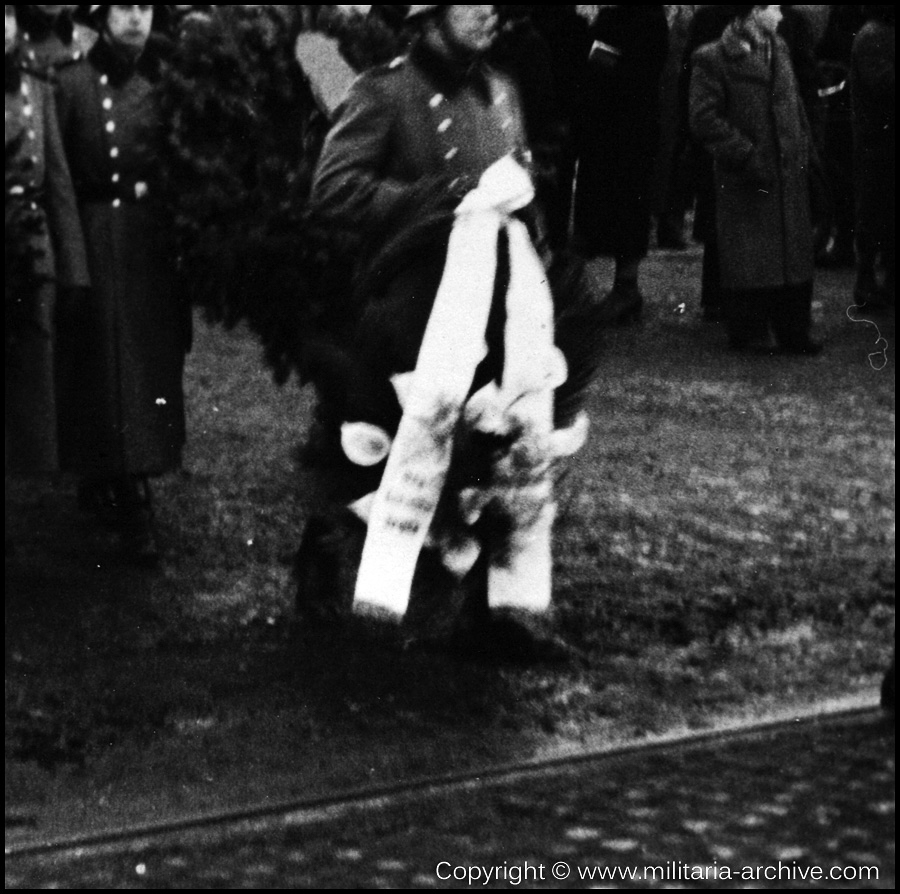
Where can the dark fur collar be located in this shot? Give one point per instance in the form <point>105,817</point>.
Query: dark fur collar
<point>120,66</point>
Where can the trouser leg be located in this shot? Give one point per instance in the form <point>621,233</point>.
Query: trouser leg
<point>791,313</point>
<point>745,315</point>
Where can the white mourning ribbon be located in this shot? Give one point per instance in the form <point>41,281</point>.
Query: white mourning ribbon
<point>453,346</point>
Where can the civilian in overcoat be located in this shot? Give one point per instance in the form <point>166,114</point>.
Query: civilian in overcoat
<point>123,349</point>
<point>32,135</point>
<point>618,136</point>
<point>747,112</point>
<point>873,80</point>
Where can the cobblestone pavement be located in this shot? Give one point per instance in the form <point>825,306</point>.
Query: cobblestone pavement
<point>815,795</point>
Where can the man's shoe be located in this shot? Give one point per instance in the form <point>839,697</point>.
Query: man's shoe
<point>622,305</point>
<point>866,292</point>
<point>671,242</point>
<point>507,640</point>
<point>100,500</point>
<point>141,549</point>
<point>835,256</point>
<point>138,538</point>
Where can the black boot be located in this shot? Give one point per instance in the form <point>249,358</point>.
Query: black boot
<point>325,568</point>
<point>838,253</point>
<point>137,531</point>
<point>99,497</point>
<point>624,304</point>
<point>670,234</point>
<point>865,291</point>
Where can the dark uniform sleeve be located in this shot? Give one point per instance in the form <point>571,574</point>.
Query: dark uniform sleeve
<point>352,185</point>
<point>62,206</point>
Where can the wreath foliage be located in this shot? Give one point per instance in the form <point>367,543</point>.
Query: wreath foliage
<point>242,136</point>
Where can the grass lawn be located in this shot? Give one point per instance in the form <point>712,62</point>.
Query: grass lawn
<point>724,547</point>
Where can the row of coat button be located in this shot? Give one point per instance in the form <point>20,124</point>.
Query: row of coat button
<point>140,189</point>
<point>447,123</point>
<point>30,132</point>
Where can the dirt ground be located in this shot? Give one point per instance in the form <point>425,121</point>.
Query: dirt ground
<point>725,548</point>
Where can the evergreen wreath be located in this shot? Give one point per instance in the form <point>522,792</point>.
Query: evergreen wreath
<point>242,134</point>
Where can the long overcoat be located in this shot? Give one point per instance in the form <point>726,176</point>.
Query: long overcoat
<point>618,131</point>
<point>872,76</point>
<point>122,352</point>
<point>58,247</point>
<point>748,114</point>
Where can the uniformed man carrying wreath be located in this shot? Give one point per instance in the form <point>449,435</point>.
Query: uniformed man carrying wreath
<point>449,412</point>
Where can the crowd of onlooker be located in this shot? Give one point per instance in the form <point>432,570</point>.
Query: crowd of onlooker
<point>770,129</point>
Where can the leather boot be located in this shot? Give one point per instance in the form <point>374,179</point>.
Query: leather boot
<point>137,531</point>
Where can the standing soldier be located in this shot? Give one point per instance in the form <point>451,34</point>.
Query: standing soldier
<point>37,162</point>
<point>121,350</point>
<point>51,38</point>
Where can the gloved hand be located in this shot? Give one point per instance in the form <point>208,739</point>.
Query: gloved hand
<point>758,174</point>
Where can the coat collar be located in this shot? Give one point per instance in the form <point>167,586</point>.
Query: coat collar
<point>739,40</point>
<point>119,67</point>
<point>450,77</point>
<point>750,51</point>
<point>113,63</point>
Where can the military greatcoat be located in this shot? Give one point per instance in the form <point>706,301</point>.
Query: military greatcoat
<point>415,121</point>
<point>123,350</point>
<point>33,132</point>
<point>416,133</point>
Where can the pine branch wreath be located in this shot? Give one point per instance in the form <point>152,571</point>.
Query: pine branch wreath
<point>242,137</point>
